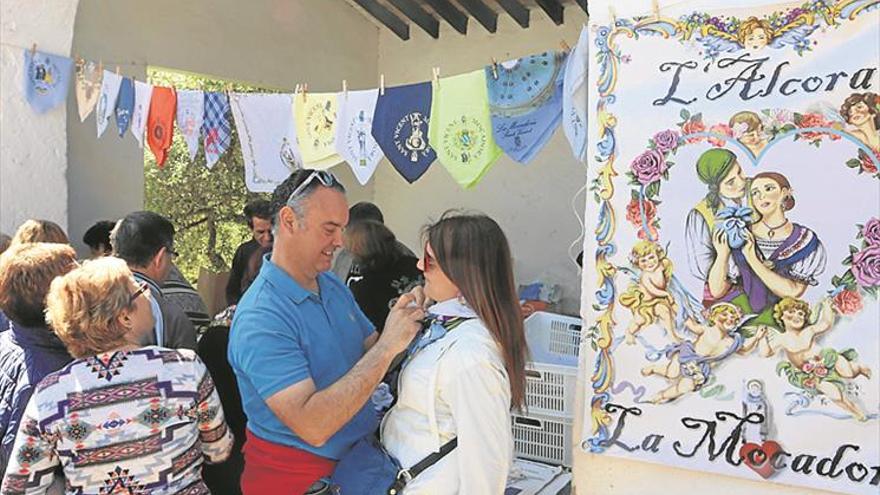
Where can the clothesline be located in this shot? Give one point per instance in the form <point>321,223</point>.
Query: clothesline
<point>106,63</point>
<point>465,121</point>
<point>296,89</point>
<point>512,107</point>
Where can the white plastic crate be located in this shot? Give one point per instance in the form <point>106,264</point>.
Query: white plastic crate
<point>550,389</point>
<point>543,438</point>
<point>553,339</point>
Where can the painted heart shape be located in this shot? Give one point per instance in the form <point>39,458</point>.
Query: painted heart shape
<point>758,457</point>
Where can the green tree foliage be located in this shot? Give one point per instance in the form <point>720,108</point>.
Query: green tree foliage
<point>206,206</point>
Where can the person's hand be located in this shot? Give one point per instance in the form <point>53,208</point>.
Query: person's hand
<point>719,242</point>
<point>748,248</point>
<point>402,324</point>
<point>761,332</point>
<point>826,305</point>
<point>418,293</point>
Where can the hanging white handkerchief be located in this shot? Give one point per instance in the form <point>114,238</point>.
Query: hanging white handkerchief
<point>190,111</point>
<point>142,94</point>
<point>354,139</point>
<point>264,123</point>
<point>574,97</point>
<point>88,87</point>
<point>107,101</point>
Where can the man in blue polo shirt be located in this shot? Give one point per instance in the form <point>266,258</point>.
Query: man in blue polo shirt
<point>306,358</point>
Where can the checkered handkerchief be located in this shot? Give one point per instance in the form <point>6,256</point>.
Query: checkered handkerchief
<point>216,129</point>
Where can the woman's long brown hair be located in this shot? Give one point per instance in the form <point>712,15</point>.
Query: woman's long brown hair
<point>473,252</point>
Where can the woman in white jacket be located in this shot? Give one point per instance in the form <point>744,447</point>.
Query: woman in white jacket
<point>467,370</point>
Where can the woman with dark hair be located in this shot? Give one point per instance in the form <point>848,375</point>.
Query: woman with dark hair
<point>779,258</point>
<point>97,238</point>
<point>862,111</point>
<point>384,271</point>
<point>463,374</point>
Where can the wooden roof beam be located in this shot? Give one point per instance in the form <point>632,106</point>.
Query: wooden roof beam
<point>386,17</point>
<point>516,10</point>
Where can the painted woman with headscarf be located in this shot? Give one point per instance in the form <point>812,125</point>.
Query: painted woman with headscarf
<point>719,169</point>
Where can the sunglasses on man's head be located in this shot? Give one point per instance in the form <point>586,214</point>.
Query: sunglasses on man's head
<point>324,177</point>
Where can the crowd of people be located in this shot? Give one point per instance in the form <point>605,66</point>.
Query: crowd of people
<point>114,379</point>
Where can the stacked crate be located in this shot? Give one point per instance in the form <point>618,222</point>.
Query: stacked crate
<point>543,431</point>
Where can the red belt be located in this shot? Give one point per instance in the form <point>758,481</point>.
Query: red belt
<point>271,468</point>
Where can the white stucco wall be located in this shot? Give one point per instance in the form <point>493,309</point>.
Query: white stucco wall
<point>270,43</point>
<point>33,148</point>
<point>532,203</point>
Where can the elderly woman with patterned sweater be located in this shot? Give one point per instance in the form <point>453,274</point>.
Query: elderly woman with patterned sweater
<point>121,417</point>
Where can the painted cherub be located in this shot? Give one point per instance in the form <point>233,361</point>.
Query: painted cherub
<point>688,364</point>
<point>749,130</point>
<point>754,35</point>
<point>648,298</point>
<point>808,367</point>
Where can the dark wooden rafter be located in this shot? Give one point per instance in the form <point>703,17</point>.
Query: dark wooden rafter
<point>386,17</point>
<point>516,10</point>
<point>456,18</point>
<point>482,13</point>
<point>583,5</point>
<point>418,15</point>
<point>553,9</point>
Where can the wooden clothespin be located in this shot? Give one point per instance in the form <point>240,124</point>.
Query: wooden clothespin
<point>228,86</point>
<point>345,89</point>
<point>117,70</point>
<point>33,49</point>
<point>382,85</point>
<point>100,66</point>
<point>494,68</point>
<point>564,46</point>
<point>305,89</point>
<point>436,75</point>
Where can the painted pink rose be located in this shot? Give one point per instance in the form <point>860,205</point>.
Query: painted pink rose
<point>634,211</point>
<point>649,166</point>
<point>692,127</point>
<point>666,140</point>
<point>810,383</point>
<point>722,129</point>
<point>807,367</point>
<point>848,302</point>
<point>871,232</point>
<point>866,266</point>
<point>868,165</point>
<point>812,120</point>
<point>821,371</point>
